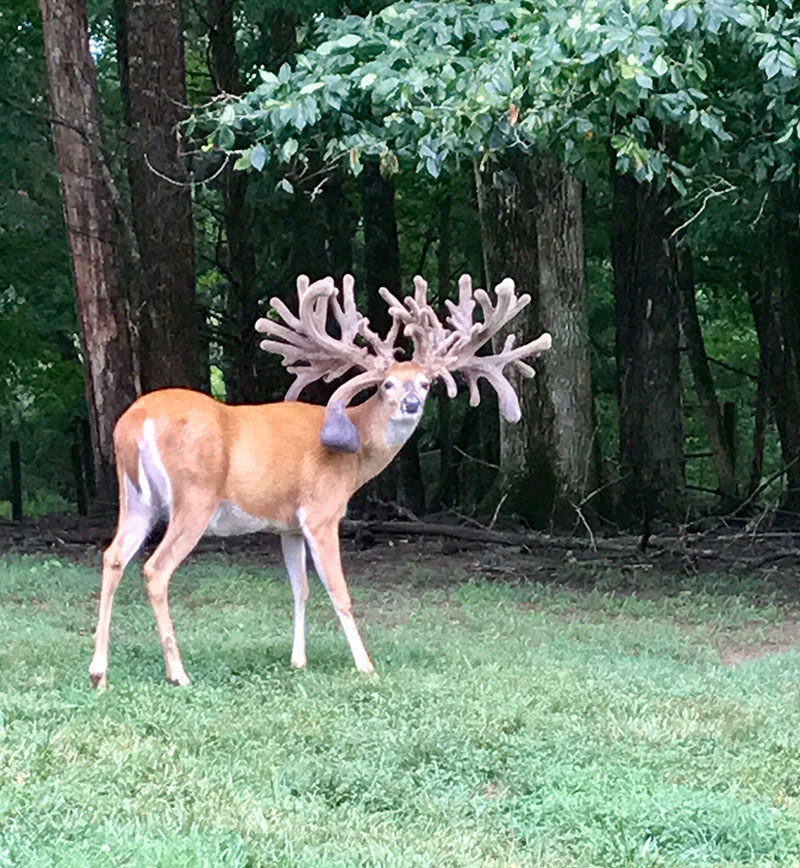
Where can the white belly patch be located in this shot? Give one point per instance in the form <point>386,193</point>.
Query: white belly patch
<point>230,520</point>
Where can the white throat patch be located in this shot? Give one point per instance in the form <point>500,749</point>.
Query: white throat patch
<point>399,430</point>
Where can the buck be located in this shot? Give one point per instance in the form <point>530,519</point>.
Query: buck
<point>291,467</point>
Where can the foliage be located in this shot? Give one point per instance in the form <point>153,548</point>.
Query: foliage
<point>41,385</point>
<point>441,81</point>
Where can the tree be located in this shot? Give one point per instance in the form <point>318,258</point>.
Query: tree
<point>334,78</point>
<point>87,195</point>
<point>153,79</point>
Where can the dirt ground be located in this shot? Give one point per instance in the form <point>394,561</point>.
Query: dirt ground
<point>762,562</point>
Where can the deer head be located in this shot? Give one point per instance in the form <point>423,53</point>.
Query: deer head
<point>440,349</point>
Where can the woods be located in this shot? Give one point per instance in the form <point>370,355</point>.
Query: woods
<point>631,166</point>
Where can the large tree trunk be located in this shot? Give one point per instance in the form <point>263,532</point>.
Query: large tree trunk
<point>152,72</point>
<point>648,362</point>
<point>88,213</point>
<point>532,228</point>
<point>721,447</point>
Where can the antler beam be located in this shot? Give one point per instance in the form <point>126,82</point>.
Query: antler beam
<point>309,351</point>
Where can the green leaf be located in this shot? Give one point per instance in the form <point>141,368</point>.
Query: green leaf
<point>289,149</point>
<point>258,156</point>
<point>243,162</point>
<point>286,185</point>
<point>225,138</point>
<point>311,87</point>
<point>660,65</point>
<point>348,40</point>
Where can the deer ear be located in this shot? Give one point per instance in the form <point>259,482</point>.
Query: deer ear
<point>339,433</point>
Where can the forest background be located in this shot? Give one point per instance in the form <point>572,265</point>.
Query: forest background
<point>167,169</point>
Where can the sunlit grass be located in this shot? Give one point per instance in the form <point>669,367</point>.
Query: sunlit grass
<point>527,724</point>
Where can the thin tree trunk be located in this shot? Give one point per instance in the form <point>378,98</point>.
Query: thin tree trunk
<point>648,363</point>
<point>242,383</point>
<point>89,217</point>
<point>782,382</point>
<point>721,453</point>
<point>447,466</point>
<point>381,268</point>
<point>787,259</point>
<point>759,428</point>
<point>152,72</point>
<point>341,222</point>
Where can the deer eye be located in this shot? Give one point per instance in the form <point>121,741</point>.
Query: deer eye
<point>425,385</point>
<point>388,385</point>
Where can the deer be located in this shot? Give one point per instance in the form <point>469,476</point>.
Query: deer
<point>291,467</point>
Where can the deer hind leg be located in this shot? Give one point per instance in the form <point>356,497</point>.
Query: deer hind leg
<point>294,555</point>
<point>135,521</point>
<point>323,542</point>
<point>185,528</point>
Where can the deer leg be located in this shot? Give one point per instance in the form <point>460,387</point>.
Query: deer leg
<point>131,532</point>
<point>294,554</point>
<point>185,529</point>
<point>323,542</point>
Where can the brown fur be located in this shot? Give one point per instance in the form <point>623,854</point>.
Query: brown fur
<point>268,462</point>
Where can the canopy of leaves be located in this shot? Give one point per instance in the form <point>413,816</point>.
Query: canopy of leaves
<point>437,82</point>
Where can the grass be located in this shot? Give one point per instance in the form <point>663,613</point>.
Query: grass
<point>512,725</point>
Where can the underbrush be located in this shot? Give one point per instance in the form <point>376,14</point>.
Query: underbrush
<point>513,724</point>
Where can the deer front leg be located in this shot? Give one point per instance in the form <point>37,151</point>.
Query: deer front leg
<point>323,542</point>
<point>294,555</point>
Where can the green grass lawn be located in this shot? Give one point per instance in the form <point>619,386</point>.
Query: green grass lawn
<point>512,725</point>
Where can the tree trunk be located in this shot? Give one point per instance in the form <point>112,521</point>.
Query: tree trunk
<point>787,259</point>
<point>381,249</point>
<point>153,77</point>
<point>532,230</point>
<point>564,430</point>
<point>447,466</point>
<point>781,380</point>
<point>341,222</point>
<point>648,365</point>
<point>240,350</point>
<point>721,447</point>
<point>88,214</point>
<point>382,268</point>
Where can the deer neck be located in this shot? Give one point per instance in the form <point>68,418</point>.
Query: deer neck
<point>381,436</point>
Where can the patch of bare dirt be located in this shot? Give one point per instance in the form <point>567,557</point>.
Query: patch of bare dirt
<point>738,647</point>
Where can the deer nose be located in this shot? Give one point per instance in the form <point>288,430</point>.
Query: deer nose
<point>411,404</point>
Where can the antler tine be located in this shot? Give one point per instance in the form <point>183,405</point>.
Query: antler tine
<point>309,352</point>
<point>458,351</point>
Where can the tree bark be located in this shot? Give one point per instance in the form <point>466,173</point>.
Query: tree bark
<point>721,447</point>
<point>89,218</point>
<point>787,397</point>
<point>153,76</point>
<point>381,248</point>
<point>781,381</point>
<point>382,268</point>
<point>648,363</point>
<point>532,230</point>
<point>240,351</point>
